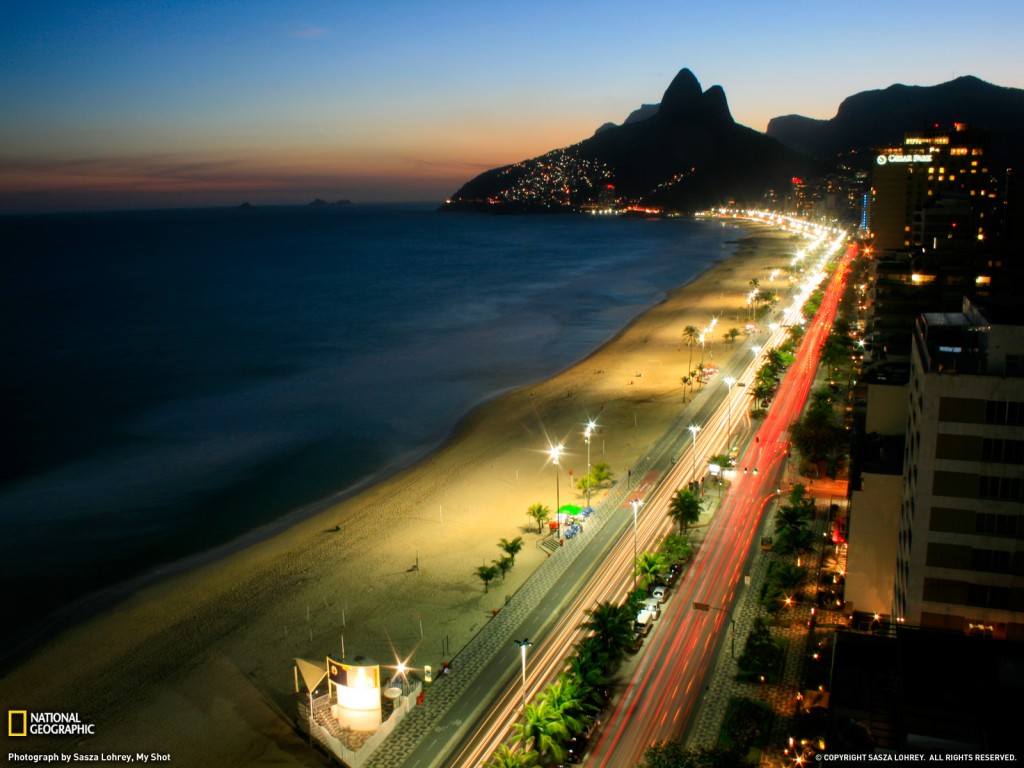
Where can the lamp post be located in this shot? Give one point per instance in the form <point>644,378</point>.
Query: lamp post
<point>636,504</point>
<point>554,452</point>
<point>729,381</point>
<point>693,431</point>
<point>591,426</point>
<point>523,645</point>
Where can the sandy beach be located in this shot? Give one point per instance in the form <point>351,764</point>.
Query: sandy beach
<point>200,666</point>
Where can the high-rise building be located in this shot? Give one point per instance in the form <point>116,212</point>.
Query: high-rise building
<point>960,555</point>
<point>935,192</point>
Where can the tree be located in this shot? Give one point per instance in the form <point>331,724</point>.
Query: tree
<point>504,757</point>
<point>486,574</point>
<point>504,565</point>
<point>563,696</point>
<point>542,729</point>
<point>541,514</point>
<point>818,436</point>
<point>599,475</point>
<point>511,547</point>
<point>612,625</point>
<point>648,565</point>
<point>685,508</point>
<point>731,335</point>
<point>586,668</point>
<point>676,549</point>
<point>690,336</point>
<point>762,392</point>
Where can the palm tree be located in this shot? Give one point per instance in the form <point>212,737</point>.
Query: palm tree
<point>685,508</point>
<point>613,626</point>
<point>586,669</point>
<point>542,729</point>
<point>700,373</point>
<point>762,391</point>
<point>486,574</point>
<point>511,547</point>
<point>600,474</point>
<point>690,336</point>
<point>504,757</point>
<point>541,514</point>
<point>731,335</point>
<point>648,565</point>
<point>504,565</point>
<point>563,696</point>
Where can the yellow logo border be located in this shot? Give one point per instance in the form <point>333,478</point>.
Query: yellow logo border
<point>24,722</point>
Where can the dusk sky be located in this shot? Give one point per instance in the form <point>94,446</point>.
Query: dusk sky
<point>153,103</point>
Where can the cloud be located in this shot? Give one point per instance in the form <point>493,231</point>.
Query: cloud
<point>309,32</point>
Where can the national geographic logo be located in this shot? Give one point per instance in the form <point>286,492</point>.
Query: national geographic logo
<point>21,722</point>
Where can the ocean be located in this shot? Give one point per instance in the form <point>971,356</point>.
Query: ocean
<point>177,381</point>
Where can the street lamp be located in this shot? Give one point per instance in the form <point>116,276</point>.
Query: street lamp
<point>523,645</point>
<point>591,426</point>
<point>554,452</point>
<point>636,504</point>
<point>729,381</point>
<point>693,431</point>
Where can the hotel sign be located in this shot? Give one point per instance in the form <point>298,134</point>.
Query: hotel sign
<point>885,159</point>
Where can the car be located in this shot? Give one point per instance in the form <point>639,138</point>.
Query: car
<point>667,579</point>
<point>660,593</point>
<point>652,606</point>
<point>635,644</point>
<point>574,749</point>
<point>644,622</point>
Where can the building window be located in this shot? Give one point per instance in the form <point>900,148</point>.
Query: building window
<point>1002,451</point>
<point>990,560</point>
<point>1000,488</point>
<point>995,525</point>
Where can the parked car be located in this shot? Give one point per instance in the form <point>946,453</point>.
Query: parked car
<point>660,593</point>
<point>634,646</point>
<point>652,606</point>
<point>643,623</point>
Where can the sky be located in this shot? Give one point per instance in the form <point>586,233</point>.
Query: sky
<point>149,103</point>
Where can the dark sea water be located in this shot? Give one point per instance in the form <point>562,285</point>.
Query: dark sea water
<point>174,380</point>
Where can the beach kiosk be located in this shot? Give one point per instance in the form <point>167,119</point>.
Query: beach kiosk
<point>354,686</point>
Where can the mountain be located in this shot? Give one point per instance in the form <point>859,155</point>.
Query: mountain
<point>687,154</point>
<point>879,118</point>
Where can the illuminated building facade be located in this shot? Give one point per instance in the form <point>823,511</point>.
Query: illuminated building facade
<point>935,192</point>
<point>960,554</point>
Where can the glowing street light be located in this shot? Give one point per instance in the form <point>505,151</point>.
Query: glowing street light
<point>523,645</point>
<point>591,426</point>
<point>554,452</point>
<point>636,504</point>
<point>693,431</point>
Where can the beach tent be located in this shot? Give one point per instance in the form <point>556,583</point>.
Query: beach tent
<point>311,672</point>
<point>567,511</point>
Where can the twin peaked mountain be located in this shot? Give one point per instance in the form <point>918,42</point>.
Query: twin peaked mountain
<point>688,153</point>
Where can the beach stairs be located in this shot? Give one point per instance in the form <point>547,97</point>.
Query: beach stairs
<point>549,544</point>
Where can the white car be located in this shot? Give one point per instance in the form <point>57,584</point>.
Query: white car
<point>660,594</point>
<point>651,605</point>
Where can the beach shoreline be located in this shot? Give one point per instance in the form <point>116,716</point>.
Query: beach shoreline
<point>199,665</point>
